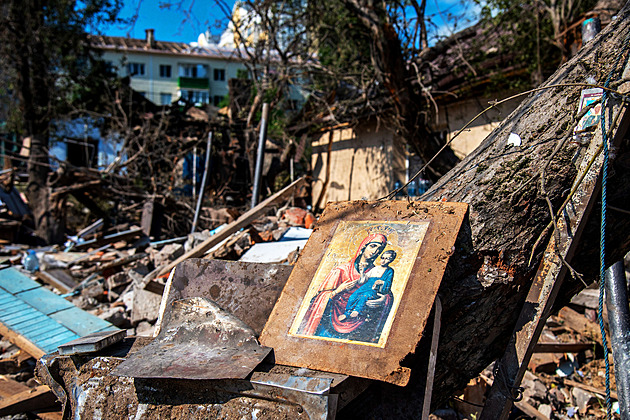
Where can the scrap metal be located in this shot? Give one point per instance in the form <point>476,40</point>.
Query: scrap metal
<point>198,341</point>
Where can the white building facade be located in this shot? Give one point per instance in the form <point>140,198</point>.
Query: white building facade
<point>166,71</point>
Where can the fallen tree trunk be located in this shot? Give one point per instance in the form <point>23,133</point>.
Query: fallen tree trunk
<point>490,273</point>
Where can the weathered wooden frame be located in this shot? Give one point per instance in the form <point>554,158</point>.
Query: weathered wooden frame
<point>374,361</point>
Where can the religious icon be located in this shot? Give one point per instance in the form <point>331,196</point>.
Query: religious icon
<point>593,115</point>
<point>357,288</point>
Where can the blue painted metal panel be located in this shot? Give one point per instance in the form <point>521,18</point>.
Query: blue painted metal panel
<point>44,331</point>
<point>109,328</point>
<point>36,320</point>
<point>13,281</point>
<point>14,309</point>
<point>60,336</point>
<point>79,321</point>
<point>24,319</point>
<point>19,310</point>
<point>40,316</point>
<point>44,300</point>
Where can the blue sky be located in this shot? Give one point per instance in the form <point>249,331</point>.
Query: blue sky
<point>184,20</point>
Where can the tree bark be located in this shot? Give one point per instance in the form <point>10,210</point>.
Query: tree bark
<point>33,86</point>
<point>490,274</point>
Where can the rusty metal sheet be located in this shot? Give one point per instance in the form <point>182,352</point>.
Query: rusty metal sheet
<point>200,341</point>
<point>247,290</point>
<point>361,292</point>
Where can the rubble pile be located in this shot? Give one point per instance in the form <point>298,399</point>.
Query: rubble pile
<point>566,376</point>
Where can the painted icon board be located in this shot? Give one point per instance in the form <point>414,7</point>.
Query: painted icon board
<point>361,292</point>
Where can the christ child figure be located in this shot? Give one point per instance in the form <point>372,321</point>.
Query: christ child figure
<point>379,281</point>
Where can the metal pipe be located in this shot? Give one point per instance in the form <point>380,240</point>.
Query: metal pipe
<point>203,181</point>
<point>619,323</point>
<point>194,176</point>
<point>261,153</point>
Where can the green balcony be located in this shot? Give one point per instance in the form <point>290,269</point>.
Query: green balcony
<point>193,83</point>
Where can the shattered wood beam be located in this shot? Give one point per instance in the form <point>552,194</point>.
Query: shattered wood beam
<point>599,391</point>
<point>38,398</point>
<point>53,281</point>
<point>115,237</point>
<point>22,342</point>
<point>116,263</point>
<point>236,225</point>
<point>562,347</point>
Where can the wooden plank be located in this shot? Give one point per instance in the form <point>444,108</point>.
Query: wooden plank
<point>121,236</point>
<point>13,309</point>
<point>37,398</point>
<point>22,320</point>
<point>562,347</point>
<point>580,324</point>
<point>9,387</point>
<point>236,225</point>
<point>589,388</point>
<point>21,342</point>
<point>116,263</point>
<point>48,328</point>
<point>51,280</point>
<point>51,342</point>
<point>49,415</point>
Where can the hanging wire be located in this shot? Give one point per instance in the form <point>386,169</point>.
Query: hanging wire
<point>602,239</point>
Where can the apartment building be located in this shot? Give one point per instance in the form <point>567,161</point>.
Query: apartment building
<point>166,71</point>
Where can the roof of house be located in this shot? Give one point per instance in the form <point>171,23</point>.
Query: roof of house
<point>150,45</point>
<point>466,61</point>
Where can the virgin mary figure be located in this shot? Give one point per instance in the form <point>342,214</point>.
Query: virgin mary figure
<point>329,303</point>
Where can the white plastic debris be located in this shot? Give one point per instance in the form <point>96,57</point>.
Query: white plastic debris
<point>514,140</point>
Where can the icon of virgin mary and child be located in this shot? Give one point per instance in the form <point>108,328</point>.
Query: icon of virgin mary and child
<point>355,298</point>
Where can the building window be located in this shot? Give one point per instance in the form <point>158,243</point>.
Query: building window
<point>193,70</point>
<point>110,68</point>
<point>165,98</point>
<point>165,71</point>
<point>196,97</point>
<point>216,100</point>
<point>135,69</point>
<point>219,74</point>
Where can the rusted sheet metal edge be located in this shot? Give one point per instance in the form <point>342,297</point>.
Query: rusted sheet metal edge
<point>318,386</point>
<point>547,283</point>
